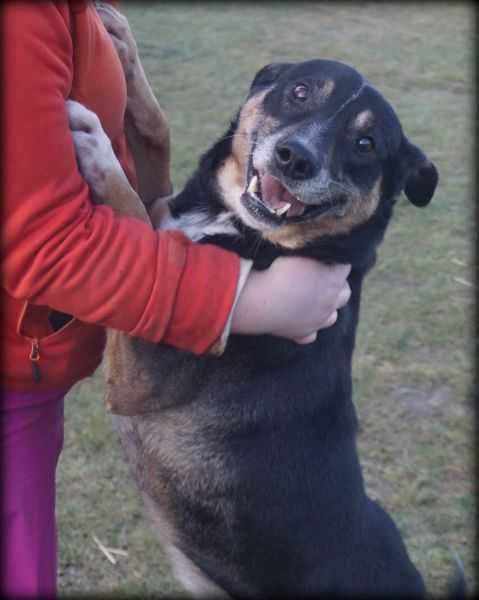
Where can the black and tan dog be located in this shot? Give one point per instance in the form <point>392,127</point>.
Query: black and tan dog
<point>248,461</point>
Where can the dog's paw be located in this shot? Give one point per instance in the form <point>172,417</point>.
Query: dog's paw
<point>121,35</point>
<point>94,152</point>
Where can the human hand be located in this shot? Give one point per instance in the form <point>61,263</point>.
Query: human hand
<point>294,298</point>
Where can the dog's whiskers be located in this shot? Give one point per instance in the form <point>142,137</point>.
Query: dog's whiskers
<point>237,134</point>
<point>339,185</point>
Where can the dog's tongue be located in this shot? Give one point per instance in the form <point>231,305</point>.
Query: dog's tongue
<point>277,197</point>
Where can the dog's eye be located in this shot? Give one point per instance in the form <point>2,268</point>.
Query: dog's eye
<point>365,144</point>
<point>300,92</point>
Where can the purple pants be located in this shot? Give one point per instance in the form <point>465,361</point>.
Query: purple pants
<point>31,434</point>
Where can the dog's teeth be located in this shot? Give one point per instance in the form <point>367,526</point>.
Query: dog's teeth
<point>253,185</point>
<point>270,208</point>
<point>282,209</point>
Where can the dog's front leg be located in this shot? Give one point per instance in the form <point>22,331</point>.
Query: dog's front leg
<point>126,393</point>
<point>146,125</point>
<point>99,166</point>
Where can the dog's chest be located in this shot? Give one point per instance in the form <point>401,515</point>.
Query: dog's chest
<point>250,368</point>
<point>200,224</point>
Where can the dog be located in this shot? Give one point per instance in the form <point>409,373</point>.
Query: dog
<point>247,462</point>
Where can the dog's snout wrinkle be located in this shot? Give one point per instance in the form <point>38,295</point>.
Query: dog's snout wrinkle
<point>295,160</point>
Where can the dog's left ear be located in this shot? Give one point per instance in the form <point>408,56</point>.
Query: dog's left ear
<point>269,74</point>
<point>421,176</point>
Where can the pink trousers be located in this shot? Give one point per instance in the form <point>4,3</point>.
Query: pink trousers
<point>31,437</point>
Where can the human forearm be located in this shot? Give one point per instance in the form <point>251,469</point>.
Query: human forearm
<point>58,249</point>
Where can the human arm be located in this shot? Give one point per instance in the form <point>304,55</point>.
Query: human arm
<point>58,248</point>
<point>293,298</point>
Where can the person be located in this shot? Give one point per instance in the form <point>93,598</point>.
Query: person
<point>72,269</point>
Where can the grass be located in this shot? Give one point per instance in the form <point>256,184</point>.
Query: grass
<point>413,366</point>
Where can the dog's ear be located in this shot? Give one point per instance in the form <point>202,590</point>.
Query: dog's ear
<point>269,74</point>
<point>420,175</point>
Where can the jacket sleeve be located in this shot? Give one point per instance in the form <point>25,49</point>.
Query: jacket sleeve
<point>61,251</point>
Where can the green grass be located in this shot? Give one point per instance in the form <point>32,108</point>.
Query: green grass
<point>413,366</point>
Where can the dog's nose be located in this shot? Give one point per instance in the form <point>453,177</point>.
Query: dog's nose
<point>294,160</point>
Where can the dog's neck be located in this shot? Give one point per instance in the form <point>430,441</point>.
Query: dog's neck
<point>201,210</point>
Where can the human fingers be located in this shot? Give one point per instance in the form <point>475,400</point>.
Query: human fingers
<point>344,295</point>
<point>342,270</point>
<point>331,320</point>
<point>307,339</point>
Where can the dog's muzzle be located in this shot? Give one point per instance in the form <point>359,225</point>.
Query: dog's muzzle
<point>268,198</point>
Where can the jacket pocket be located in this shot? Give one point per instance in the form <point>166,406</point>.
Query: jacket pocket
<point>61,357</point>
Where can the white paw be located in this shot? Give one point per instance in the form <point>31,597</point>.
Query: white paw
<point>93,149</point>
<point>121,35</point>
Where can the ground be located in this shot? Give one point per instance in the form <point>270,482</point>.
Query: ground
<point>413,364</point>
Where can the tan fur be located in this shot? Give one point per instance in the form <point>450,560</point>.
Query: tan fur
<point>231,182</point>
<point>129,385</point>
<point>191,577</point>
<point>151,158</point>
<point>142,466</point>
<point>327,89</point>
<point>231,176</point>
<point>123,198</point>
<point>358,211</point>
<point>251,115</point>
<point>363,120</point>
<point>175,441</point>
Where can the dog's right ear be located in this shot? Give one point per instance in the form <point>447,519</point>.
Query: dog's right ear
<point>269,74</point>
<point>421,176</point>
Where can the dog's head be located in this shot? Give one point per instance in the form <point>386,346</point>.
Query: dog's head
<point>316,150</point>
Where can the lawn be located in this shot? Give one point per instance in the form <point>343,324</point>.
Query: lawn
<point>413,364</point>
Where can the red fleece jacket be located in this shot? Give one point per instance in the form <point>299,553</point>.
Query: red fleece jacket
<point>61,252</point>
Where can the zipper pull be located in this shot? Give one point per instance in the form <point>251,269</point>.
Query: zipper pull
<point>34,358</point>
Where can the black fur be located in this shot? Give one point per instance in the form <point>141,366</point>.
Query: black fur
<point>281,417</point>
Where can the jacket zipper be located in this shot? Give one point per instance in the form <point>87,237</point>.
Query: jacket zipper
<point>34,355</point>
<point>35,359</point>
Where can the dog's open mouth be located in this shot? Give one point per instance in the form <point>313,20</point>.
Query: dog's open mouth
<point>267,199</point>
